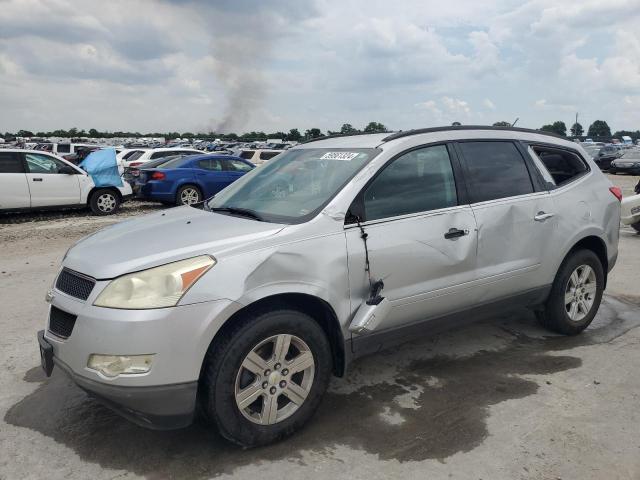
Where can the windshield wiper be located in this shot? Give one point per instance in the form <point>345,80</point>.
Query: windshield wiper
<point>238,211</point>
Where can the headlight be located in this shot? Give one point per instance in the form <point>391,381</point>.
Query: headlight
<point>157,287</point>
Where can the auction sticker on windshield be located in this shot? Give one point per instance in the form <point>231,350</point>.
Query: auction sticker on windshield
<point>339,156</point>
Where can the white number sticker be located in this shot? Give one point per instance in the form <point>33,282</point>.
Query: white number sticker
<point>345,156</point>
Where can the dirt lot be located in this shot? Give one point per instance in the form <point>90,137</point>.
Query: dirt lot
<point>500,399</point>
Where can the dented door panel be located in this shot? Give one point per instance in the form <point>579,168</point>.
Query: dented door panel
<point>512,243</point>
<point>425,274</point>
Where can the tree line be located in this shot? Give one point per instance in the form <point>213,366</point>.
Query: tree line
<point>598,129</point>
<point>292,135</point>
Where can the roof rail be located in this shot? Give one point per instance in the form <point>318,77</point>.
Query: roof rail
<point>418,131</point>
<point>338,135</point>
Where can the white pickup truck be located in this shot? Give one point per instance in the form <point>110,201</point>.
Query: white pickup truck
<point>35,180</point>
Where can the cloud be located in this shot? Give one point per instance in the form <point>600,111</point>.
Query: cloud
<point>488,104</point>
<point>196,64</point>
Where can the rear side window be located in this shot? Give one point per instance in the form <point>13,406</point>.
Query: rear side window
<point>237,166</point>
<point>134,156</point>
<point>246,154</point>
<point>129,155</point>
<point>10,163</point>
<point>162,154</point>
<point>418,181</point>
<point>495,170</point>
<point>268,155</point>
<point>214,165</point>
<point>561,165</point>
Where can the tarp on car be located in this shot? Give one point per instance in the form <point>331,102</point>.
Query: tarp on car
<point>102,166</point>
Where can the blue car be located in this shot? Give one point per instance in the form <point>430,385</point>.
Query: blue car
<point>191,179</point>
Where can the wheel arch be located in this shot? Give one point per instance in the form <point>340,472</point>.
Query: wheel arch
<point>95,189</point>
<point>184,182</point>
<point>597,246</point>
<point>317,308</point>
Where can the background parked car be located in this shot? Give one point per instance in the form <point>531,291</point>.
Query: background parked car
<point>153,154</point>
<point>259,156</point>
<point>604,156</point>
<point>628,163</point>
<point>36,180</point>
<point>192,179</point>
<point>132,174</point>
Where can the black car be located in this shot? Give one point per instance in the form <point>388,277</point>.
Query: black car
<point>628,163</point>
<point>605,156</point>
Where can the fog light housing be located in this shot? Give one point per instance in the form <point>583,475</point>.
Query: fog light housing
<point>114,365</point>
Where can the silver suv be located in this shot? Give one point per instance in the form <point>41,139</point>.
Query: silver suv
<point>332,250</point>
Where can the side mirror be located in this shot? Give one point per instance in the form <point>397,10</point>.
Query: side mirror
<point>67,170</point>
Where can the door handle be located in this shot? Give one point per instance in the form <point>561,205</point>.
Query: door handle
<point>542,216</point>
<point>455,233</point>
<point>37,179</point>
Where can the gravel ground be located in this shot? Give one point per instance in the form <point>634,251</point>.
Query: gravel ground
<point>500,399</point>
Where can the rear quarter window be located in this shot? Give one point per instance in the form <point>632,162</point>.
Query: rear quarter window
<point>563,166</point>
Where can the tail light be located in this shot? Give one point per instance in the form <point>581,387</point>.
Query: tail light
<point>135,164</point>
<point>617,192</point>
<point>158,176</point>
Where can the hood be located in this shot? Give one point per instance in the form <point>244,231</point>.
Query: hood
<point>160,238</point>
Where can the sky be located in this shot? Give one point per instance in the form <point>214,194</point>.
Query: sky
<point>242,65</point>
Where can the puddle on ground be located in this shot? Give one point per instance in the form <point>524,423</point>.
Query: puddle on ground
<point>430,407</point>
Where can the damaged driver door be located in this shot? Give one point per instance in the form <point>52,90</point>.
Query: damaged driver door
<point>421,238</point>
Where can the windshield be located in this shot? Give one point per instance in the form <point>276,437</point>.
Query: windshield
<point>294,186</point>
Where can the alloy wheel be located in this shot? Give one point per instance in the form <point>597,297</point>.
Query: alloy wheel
<point>274,379</point>
<point>189,196</point>
<point>580,292</point>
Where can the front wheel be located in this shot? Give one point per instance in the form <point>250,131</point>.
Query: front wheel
<point>636,226</point>
<point>575,295</point>
<point>265,379</point>
<point>104,201</point>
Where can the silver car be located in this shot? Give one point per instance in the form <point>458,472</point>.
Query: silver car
<point>332,250</point>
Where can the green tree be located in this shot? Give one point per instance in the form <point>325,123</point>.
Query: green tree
<point>502,124</point>
<point>599,128</point>
<point>348,129</point>
<point>24,133</point>
<point>556,127</point>
<point>294,135</point>
<point>313,133</point>
<point>576,130</point>
<point>375,127</point>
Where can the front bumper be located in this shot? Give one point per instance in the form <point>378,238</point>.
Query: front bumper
<point>178,337</point>
<point>162,407</point>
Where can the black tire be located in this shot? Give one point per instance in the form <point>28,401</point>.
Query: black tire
<point>182,193</point>
<point>555,316</point>
<point>636,226</point>
<point>104,201</point>
<point>223,367</point>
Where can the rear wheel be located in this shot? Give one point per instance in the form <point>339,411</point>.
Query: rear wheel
<point>188,195</point>
<point>265,379</point>
<point>636,226</point>
<point>104,201</point>
<point>575,295</point>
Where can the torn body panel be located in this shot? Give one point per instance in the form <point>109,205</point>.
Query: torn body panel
<point>423,271</point>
